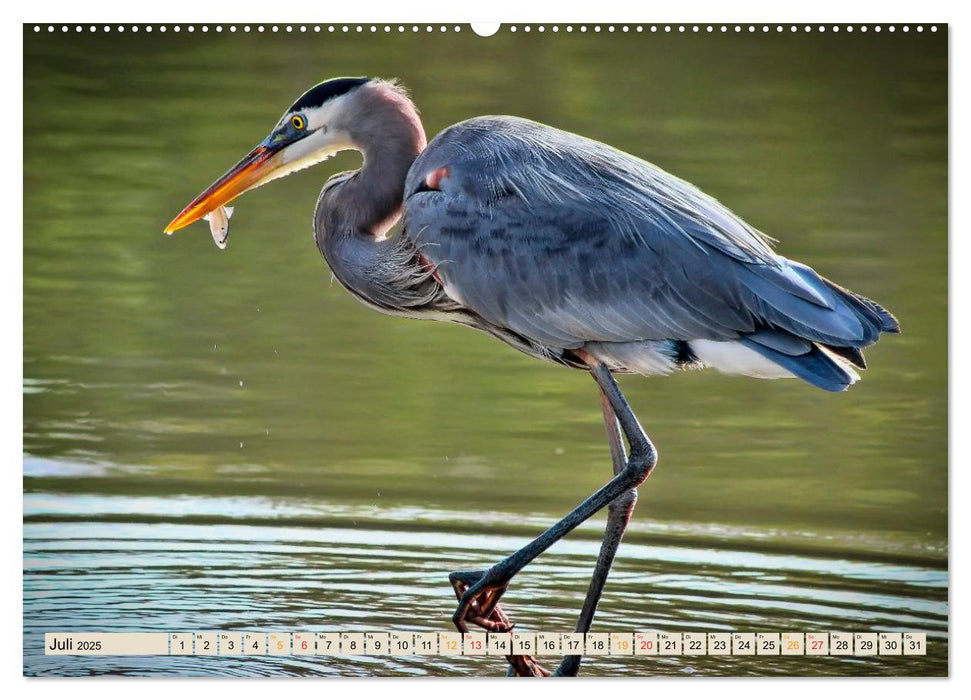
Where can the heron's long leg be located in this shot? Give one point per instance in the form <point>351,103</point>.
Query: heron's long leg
<point>618,516</point>
<point>479,598</point>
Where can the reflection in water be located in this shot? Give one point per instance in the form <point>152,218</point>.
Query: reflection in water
<point>226,439</point>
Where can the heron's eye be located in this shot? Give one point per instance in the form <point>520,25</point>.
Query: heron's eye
<point>298,122</point>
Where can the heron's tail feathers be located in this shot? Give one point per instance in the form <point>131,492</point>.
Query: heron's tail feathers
<point>824,363</point>
<point>812,327</point>
<point>794,298</point>
<point>866,310</point>
<point>820,365</point>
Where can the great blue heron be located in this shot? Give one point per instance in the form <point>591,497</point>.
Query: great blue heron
<point>568,250</point>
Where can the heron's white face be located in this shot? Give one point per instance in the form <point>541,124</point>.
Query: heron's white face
<point>301,138</point>
<point>319,136</point>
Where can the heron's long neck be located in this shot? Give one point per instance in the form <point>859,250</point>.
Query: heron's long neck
<point>356,210</point>
<point>375,193</point>
<point>389,134</point>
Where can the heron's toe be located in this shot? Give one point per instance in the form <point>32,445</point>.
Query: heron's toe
<point>463,580</point>
<point>478,597</point>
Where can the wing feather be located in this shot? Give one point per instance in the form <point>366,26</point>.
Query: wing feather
<point>566,241</point>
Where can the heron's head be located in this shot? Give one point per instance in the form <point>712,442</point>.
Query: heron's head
<point>313,128</point>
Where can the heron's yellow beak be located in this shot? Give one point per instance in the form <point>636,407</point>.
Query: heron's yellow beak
<point>245,175</point>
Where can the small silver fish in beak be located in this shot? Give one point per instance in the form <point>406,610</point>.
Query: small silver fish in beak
<point>219,225</point>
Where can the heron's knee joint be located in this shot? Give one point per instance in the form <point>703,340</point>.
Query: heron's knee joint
<point>641,463</point>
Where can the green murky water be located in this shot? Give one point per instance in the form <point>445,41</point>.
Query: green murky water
<point>230,441</point>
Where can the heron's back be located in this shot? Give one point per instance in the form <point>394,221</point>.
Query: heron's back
<point>574,244</point>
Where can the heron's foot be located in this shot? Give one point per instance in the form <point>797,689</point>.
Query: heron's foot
<point>479,604</point>
<point>527,666</point>
<point>478,593</point>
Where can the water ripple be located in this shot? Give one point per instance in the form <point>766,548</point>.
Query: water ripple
<point>112,563</point>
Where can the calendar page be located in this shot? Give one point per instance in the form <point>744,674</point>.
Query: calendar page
<point>537,349</point>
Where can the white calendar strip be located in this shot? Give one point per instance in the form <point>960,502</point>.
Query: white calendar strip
<point>652,643</point>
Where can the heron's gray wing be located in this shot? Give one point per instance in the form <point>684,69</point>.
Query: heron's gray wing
<point>566,240</point>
